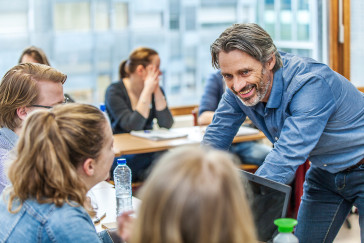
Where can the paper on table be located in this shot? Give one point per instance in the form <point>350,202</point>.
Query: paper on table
<point>158,134</point>
<point>246,131</point>
<point>243,130</point>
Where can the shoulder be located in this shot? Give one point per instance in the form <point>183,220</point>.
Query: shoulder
<point>7,139</point>
<point>70,222</point>
<point>116,87</point>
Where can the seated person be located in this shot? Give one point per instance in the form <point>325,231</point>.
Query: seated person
<point>192,195</point>
<point>135,100</point>
<point>251,152</point>
<point>61,154</point>
<point>34,54</point>
<point>24,88</point>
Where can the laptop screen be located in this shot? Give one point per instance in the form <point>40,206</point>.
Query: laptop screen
<point>268,200</point>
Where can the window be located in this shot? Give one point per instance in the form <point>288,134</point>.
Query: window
<point>87,39</point>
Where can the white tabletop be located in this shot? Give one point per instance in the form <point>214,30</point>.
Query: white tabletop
<point>104,196</point>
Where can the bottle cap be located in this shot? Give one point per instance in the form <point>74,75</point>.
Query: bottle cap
<point>121,161</point>
<point>102,107</point>
<point>285,225</point>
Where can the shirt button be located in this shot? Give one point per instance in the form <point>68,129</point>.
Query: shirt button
<point>325,165</point>
<point>276,138</point>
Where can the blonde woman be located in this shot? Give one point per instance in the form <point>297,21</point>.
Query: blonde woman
<point>192,195</point>
<point>61,153</point>
<point>136,100</point>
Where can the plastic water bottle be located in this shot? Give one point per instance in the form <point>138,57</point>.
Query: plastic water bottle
<point>285,229</point>
<point>122,180</point>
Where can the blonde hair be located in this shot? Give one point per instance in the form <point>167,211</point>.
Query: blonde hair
<point>36,53</point>
<point>194,195</point>
<point>18,88</point>
<point>52,145</point>
<point>139,56</point>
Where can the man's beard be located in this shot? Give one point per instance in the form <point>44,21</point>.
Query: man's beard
<point>260,92</point>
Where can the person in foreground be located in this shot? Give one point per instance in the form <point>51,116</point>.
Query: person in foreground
<point>61,154</point>
<point>23,89</point>
<point>192,195</point>
<point>251,152</point>
<point>135,100</point>
<point>308,111</point>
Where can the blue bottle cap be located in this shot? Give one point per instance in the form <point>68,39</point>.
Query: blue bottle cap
<point>102,107</point>
<point>121,161</point>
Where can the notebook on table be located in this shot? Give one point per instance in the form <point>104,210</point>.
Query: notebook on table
<point>268,201</point>
<point>157,135</point>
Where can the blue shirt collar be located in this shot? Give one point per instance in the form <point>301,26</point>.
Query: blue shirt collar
<point>275,96</point>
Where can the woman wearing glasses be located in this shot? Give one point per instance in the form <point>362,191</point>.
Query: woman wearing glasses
<point>24,88</point>
<point>133,102</point>
<point>61,154</point>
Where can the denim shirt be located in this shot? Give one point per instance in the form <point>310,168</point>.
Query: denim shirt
<point>37,222</point>
<point>312,112</point>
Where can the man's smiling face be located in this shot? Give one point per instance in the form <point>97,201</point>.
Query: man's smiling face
<point>246,76</point>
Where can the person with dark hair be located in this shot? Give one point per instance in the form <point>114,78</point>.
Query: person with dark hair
<point>136,99</point>
<point>33,54</point>
<point>23,89</point>
<point>308,111</point>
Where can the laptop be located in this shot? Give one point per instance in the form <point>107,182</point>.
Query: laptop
<point>268,200</point>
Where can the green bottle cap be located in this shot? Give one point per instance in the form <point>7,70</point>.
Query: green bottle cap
<point>285,225</point>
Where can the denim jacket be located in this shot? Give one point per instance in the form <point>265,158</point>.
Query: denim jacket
<point>46,222</point>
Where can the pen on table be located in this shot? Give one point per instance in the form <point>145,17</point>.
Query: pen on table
<point>98,219</point>
<point>146,131</point>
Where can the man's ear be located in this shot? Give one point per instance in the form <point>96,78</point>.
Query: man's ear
<point>88,167</point>
<point>22,112</point>
<point>271,62</point>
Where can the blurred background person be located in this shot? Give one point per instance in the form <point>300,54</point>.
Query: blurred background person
<point>61,154</point>
<point>33,54</point>
<point>249,152</point>
<point>135,100</point>
<point>192,195</point>
<point>23,89</point>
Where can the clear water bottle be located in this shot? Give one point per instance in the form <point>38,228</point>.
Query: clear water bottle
<point>285,229</point>
<point>122,180</point>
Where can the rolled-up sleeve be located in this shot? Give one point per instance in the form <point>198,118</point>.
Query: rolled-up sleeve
<point>225,124</point>
<point>164,118</point>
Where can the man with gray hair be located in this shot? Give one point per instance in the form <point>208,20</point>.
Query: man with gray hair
<point>307,111</point>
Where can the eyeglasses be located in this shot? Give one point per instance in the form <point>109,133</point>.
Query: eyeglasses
<point>65,101</point>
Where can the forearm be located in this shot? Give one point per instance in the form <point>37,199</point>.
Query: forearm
<point>205,118</point>
<point>144,101</point>
<point>165,118</point>
<point>159,100</point>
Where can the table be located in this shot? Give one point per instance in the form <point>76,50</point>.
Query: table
<point>128,144</point>
<point>104,196</point>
